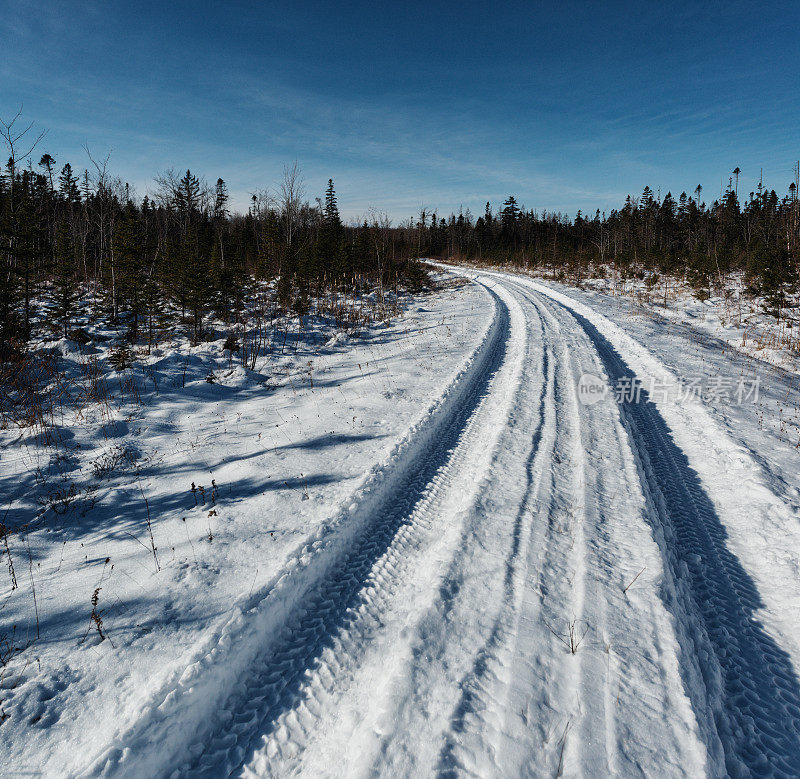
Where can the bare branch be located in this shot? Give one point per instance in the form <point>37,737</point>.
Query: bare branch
<point>12,138</point>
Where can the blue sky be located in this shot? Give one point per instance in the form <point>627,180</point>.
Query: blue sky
<point>566,105</point>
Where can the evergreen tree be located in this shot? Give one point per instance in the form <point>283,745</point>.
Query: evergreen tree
<point>330,251</point>
<point>47,163</point>
<point>65,287</point>
<point>332,219</point>
<point>196,282</point>
<point>510,214</point>
<point>10,292</point>
<point>187,200</point>
<point>509,222</point>
<point>128,246</point>
<point>220,201</point>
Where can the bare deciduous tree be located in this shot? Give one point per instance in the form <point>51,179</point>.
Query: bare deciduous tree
<point>14,138</point>
<point>291,192</point>
<point>382,242</point>
<point>290,204</point>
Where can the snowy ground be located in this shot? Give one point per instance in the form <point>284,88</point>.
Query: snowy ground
<point>436,559</point>
<point>284,445</point>
<point>738,318</point>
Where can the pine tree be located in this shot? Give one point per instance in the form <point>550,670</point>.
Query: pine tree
<point>220,200</point>
<point>65,287</point>
<point>222,277</point>
<point>10,291</point>
<point>331,256</point>
<point>267,259</point>
<point>510,213</point>
<point>26,230</point>
<point>128,244</point>
<point>187,200</point>
<point>196,279</point>
<point>47,162</point>
<point>509,221</point>
<point>332,219</point>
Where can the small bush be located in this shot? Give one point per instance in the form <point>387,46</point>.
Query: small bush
<point>121,358</point>
<point>415,276</point>
<point>702,294</point>
<point>60,498</point>
<point>301,305</point>
<point>80,336</point>
<point>117,457</point>
<point>66,497</point>
<point>231,344</point>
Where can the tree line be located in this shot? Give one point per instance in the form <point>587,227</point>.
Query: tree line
<point>758,235</point>
<point>177,255</point>
<point>180,254</point>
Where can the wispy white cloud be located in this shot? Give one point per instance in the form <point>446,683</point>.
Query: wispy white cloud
<point>565,140</point>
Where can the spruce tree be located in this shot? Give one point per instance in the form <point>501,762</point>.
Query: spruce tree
<point>47,163</point>
<point>68,185</point>
<point>220,201</point>
<point>196,279</point>
<point>65,287</point>
<point>330,250</point>
<point>187,200</point>
<point>331,207</point>
<point>10,292</point>
<point>128,244</point>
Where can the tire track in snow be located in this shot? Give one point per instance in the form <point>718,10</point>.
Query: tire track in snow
<point>742,684</point>
<point>395,666</point>
<point>192,706</point>
<point>482,687</point>
<point>551,518</point>
<point>529,706</point>
<point>423,522</point>
<point>620,650</point>
<point>267,720</point>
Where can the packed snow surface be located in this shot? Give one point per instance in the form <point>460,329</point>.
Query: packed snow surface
<point>424,552</point>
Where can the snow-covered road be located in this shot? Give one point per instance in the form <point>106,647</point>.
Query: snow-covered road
<point>531,586</point>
